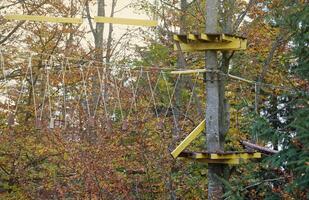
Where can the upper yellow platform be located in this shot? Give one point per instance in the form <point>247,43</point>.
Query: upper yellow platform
<point>202,42</point>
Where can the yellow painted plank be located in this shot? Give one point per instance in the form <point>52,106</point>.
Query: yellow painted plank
<point>227,161</point>
<point>205,37</point>
<point>227,38</point>
<point>126,21</point>
<point>38,18</point>
<point>235,156</point>
<point>243,44</point>
<point>192,36</point>
<point>176,38</point>
<point>193,71</point>
<point>185,143</point>
<point>200,46</point>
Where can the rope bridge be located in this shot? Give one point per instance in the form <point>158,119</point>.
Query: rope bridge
<point>74,96</point>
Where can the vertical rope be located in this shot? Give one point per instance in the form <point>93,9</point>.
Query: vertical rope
<point>48,67</point>
<point>170,96</point>
<point>63,68</point>
<point>45,93</point>
<point>99,96</point>
<point>171,100</point>
<point>103,91</point>
<point>191,99</point>
<point>21,90</point>
<point>85,91</point>
<point>33,88</point>
<point>153,92</point>
<point>256,105</point>
<point>7,100</point>
<point>118,98</point>
<point>134,104</point>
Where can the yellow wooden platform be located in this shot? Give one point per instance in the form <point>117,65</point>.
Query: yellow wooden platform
<point>202,42</point>
<point>232,158</point>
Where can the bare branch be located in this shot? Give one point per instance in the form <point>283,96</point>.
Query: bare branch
<point>89,19</point>
<point>267,62</point>
<point>20,24</point>
<point>242,16</point>
<point>259,148</point>
<point>13,4</point>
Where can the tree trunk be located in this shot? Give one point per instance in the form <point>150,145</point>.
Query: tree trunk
<point>110,38</point>
<point>214,108</point>
<point>100,32</point>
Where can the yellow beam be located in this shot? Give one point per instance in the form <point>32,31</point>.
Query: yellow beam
<point>202,46</point>
<point>126,21</point>
<point>206,160</point>
<point>37,18</point>
<point>244,156</point>
<point>185,143</point>
<point>193,71</point>
<point>227,161</point>
<point>220,158</point>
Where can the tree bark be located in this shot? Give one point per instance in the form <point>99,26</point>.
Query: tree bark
<point>214,98</point>
<point>100,31</point>
<point>110,32</point>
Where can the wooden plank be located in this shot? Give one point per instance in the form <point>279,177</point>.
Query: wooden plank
<point>177,38</point>
<point>205,37</point>
<point>235,156</point>
<point>243,43</point>
<point>187,141</point>
<point>227,161</point>
<point>227,38</point>
<point>192,36</point>
<point>126,21</point>
<point>204,42</point>
<point>203,46</point>
<point>38,18</point>
<point>223,158</point>
<point>193,71</point>
<point>200,158</point>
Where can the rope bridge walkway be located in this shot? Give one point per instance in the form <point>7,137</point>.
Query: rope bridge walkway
<point>60,94</point>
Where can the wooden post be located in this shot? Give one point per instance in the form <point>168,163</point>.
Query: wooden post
<point>215,139</point>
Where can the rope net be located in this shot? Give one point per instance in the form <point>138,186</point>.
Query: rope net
<point>77,97</point>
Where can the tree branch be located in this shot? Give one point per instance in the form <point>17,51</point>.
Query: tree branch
<point>89,19</point>
<point>259,148</point>
<point>20,24</point>
<point>266,65</point>
<point>13,4</point>
<point>242,16</point>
